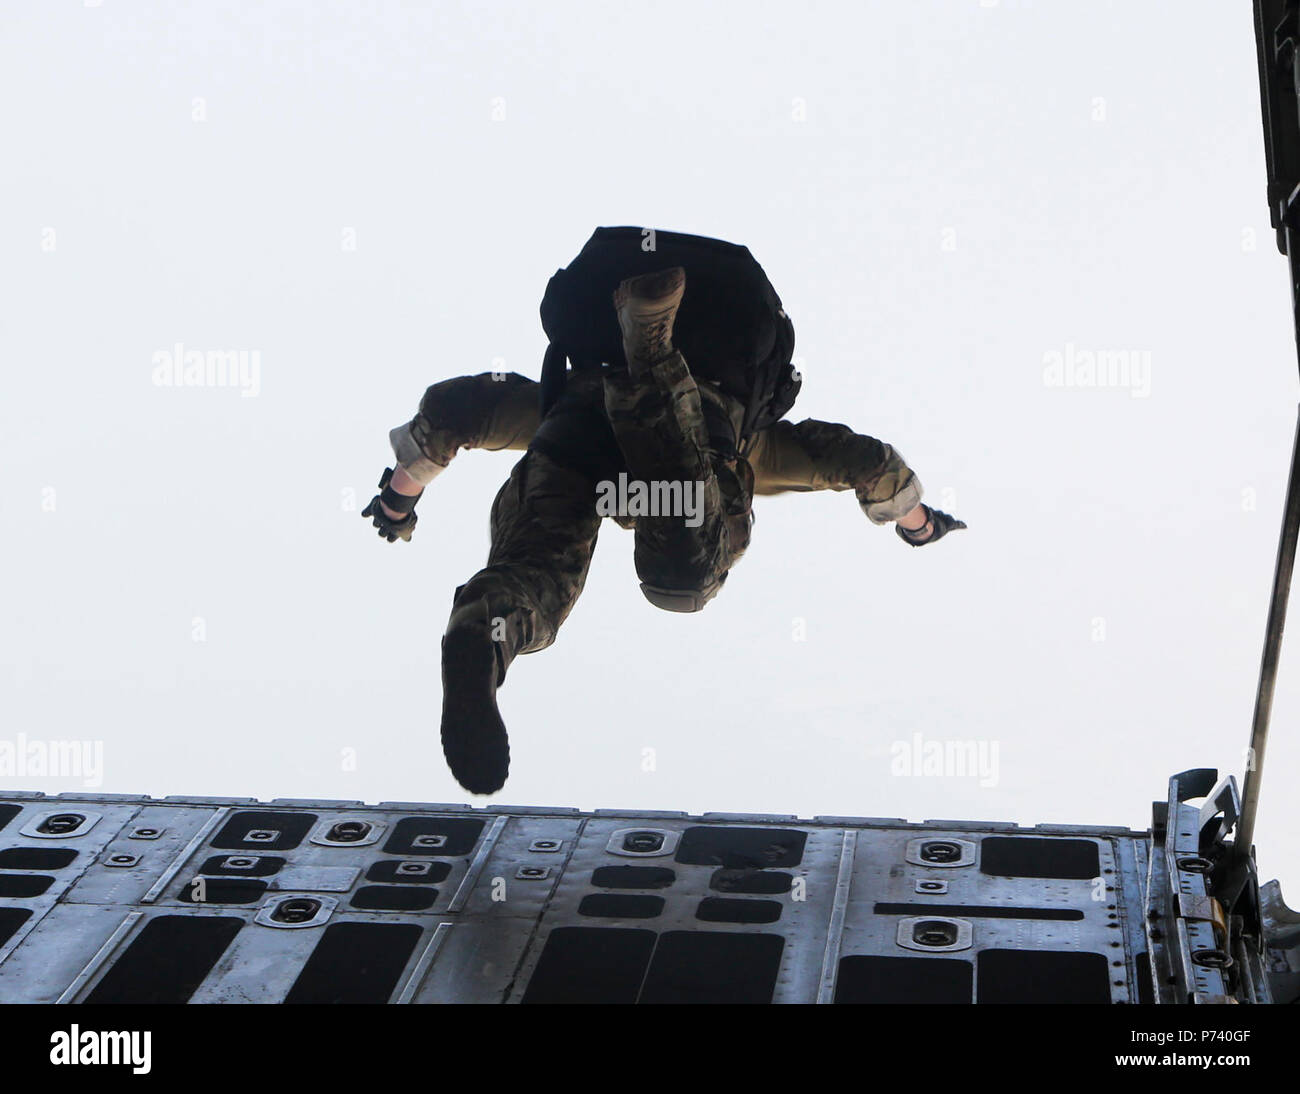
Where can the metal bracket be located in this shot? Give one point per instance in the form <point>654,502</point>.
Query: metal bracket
<point>934,934</point>
<point>642,842</point>
<point>940,852</point>
<point>299,914</point>
<point>60,824</point>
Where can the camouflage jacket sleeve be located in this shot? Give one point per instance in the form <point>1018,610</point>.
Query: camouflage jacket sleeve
<point>490,410</point>
<point>817,455</point>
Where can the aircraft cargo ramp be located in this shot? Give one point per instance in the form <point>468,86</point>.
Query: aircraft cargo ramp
<point>115,899</point>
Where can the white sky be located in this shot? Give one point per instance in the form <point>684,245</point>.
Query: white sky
<point>973,187</point>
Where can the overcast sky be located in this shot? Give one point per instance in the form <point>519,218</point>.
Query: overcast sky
<point>961,204</point>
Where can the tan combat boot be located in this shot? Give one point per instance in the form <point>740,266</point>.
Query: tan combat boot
<point>647,306</point>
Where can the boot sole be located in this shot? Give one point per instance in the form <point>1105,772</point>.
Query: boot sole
<point>474,739</point>
<point>651,295</point>
<point>647,308</point>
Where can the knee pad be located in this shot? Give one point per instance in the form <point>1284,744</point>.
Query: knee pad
<point>680,600</point>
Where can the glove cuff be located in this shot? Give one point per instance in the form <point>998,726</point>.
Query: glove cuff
<point>398,503</point>
<point>906,535</point>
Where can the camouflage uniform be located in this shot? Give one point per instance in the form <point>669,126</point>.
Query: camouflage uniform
<point>662,427</point>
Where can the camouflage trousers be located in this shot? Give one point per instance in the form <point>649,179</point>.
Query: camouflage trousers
<point>546,517</point>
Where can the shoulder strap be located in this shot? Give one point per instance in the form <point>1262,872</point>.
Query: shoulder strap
<point>553,376</point>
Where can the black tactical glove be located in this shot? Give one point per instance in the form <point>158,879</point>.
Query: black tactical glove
<point>401,503</point>
<point>942,523</point>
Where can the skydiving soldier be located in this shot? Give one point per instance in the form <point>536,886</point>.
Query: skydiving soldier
<point>677,380</point>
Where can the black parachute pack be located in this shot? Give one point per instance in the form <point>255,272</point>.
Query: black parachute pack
<point>730,327</point>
